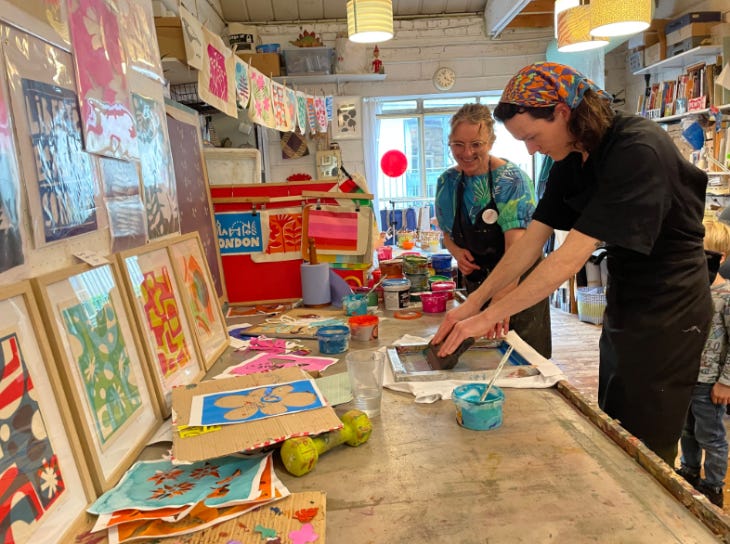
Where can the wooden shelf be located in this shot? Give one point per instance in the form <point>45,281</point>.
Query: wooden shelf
<point>315,79</point>
<point>682,60</point>
<point>680,116</point>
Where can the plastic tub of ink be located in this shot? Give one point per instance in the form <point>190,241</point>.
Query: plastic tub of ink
<point>475,414</point>
<point>434,303</point>
<point>333,339</point>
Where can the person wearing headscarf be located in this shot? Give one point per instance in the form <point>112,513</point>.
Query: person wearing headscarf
<point>483,205</point>
<point>617,180</point>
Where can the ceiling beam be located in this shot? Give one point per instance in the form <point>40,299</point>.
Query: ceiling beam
<point>499,13</point>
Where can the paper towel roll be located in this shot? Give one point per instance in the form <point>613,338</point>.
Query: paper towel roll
<point>315,284</point>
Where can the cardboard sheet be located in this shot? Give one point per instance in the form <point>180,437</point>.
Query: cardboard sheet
<point>196,444</point>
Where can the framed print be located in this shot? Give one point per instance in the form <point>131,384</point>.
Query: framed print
<point>346,118</point>
<point>328,164</point>
<point>198,296</point>
<point>167,336</point>
<point>45,483</point>
<point>101,365</point>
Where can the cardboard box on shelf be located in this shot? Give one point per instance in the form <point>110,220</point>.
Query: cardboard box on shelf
<point>170,38</point>
<point>689,31</point>
<point>266,63</point>
<point>687,44</point>
<point>692,17</point>
<point>650,36</point>
<point>655,53</point>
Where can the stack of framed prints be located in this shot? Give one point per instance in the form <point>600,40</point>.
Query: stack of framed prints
<point>45,482</point>
<point>168,337</point>
<point>101,366</point>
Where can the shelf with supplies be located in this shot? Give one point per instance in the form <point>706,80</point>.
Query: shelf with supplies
<point>680,116</point>
<point>682,60</point>
<point>315,79</point>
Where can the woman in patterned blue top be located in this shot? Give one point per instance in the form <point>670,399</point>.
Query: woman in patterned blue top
<point>483,205</point>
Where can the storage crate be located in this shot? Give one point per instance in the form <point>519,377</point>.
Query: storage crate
<point>693,17</point>
<point>591,304</point>
<point>309,60</point>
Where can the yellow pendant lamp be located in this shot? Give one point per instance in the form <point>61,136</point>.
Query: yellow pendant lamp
<point>572,27</point>
<point>369,21</point>
<point>619,17</point>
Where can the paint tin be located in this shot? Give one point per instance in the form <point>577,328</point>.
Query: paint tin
<point>392,268</point>
<point>395,293</point>
<point>370,294</point>
<point>444,286</point>
<point>415,264</point>
<point>355,304</point>
<point>434,303</point>
<point>364,327</point>
<point>441,264</point>
<point>419,282</point>
<point>472,413</point>
<point>384,253</point>
<point>333,339</point>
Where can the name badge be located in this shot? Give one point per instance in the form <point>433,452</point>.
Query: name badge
<point>490,216</point>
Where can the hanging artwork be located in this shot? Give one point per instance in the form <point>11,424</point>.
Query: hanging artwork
<point>162,322</point>
<point>278,97</point>
<point>106,109</point>
<point>260,109</point>
<point>321,113</point>
<point>102,364</point>
<point>44,488</point>
<point>281,231</point>
<point>239,232</point>
<point>302,122</point>
<point>193,38</point>
<point>191,180</point>
<point>346,123</point>
<point>337,230</point>
<point>291,109</point>
<point>48,19</point>
<point>66,177</point>
<point>123,202</point>
<point>142,53</point>
<point>311,115</point>
<point>158,175</point>
<point>11,239</point>
<point>242,86</point>
<point>217,78</point>
<point>329,106</point>
<point>199,297</point>
<point>256,403</point>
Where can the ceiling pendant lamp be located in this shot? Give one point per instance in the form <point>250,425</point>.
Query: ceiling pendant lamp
<point>369,21</point>
<point>572,27</point>
<point>619,17</point>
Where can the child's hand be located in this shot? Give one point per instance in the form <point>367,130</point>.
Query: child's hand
<point>720,394</point>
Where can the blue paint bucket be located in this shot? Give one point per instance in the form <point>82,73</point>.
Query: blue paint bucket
<point>333,339</point>
<point>472,413</point>
<point>355,304</point>
<point>441,264</point>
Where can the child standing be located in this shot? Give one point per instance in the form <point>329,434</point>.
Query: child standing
<point>704,428</point>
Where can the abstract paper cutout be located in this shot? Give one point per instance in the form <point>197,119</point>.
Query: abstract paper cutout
<point>281,231</point>
<point>255,403</point>
<point>103,363</point>
<point>238,232</point>
<point>266,362</point>
<point>243,89</point>
<point>278,97</point>
<point>106,110</point>
<point>158,175</point>
<point>66,176</point>
<point>321,113</point>
<point>304,535</point>
<point>217,79</point>
<point>260,109</point>
<point>193,38</point>
<point>142,53</point>
<point>31,480</point>
<point>192,191</point>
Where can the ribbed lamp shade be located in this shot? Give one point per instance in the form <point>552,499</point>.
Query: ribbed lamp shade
<point>573,30</point>
<point>369,21</point>
<point>619,17</point>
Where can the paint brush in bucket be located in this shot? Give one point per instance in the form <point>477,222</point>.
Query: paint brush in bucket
<point>496,373</point>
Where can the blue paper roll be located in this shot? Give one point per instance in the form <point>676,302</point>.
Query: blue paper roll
<point>315,284</point>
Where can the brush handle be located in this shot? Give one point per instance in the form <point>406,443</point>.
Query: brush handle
<point>496,373</point>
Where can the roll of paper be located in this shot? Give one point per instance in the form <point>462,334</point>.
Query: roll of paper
<point>315,284</point>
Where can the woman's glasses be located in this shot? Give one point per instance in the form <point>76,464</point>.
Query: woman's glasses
<point>475,147</point>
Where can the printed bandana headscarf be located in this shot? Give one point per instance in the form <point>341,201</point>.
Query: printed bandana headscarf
<point>548,83</point>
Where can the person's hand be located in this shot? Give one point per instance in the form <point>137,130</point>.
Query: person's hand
<point>476,326</point>
<point>464,310</point>
<point>720,394</point>
<point>465,261</point>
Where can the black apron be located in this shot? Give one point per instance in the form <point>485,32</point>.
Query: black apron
<point>485,241</point>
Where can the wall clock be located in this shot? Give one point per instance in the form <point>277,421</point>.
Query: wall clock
<point>444,78</point>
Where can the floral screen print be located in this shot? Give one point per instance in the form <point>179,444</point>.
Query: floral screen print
<point>291,109</point>
<point>67,182</point>
<point>266,362</point>
<point>192,191</point>
<point>158,175</point>
<point>193,38</point>
<point>11,240</point>
<point>260,109</point>
<point>103,363</point>
<point>243,89</point>
<point>281,232</point>
<point>142,53</point>
<point>32,480</point>
<point>124,206</point>
<point>321,113</point>
<point>255,403</point>
<point>311,115</point>
<point>278,103</point>
<point>149,485</point>
<point>106,109</point>
<point>217,79</point>
<point>302,122</point>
